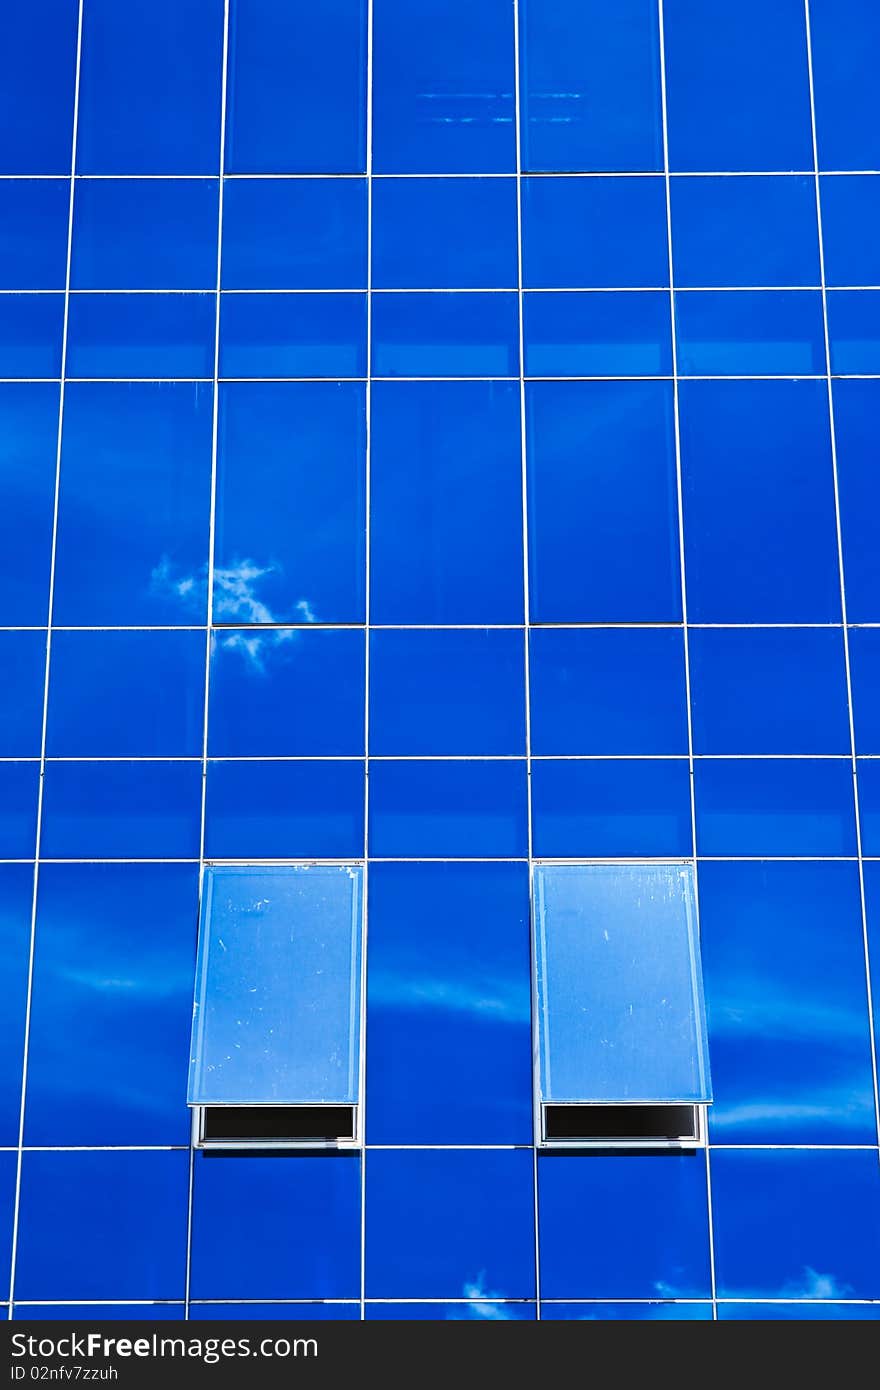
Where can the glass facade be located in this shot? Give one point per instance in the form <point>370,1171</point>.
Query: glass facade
<point>438,437</point>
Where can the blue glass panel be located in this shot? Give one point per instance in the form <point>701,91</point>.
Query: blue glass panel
<point>633,1227</point>
<point>16,903</point>
<point>594,233</point>
<point>28,445</point>
<point>854,331</point>
<point>23,663</point>
<point>590,77</point>
<point>8,1166</point>
<point>287,1312</point>
<point>145,234</point>
<point>453,1224</point>
<point>846,39</point>
<point>18,809</point>
<point>297,80</point>
<point>745,231</point>
<point>290,508</point>
<point>872,906</point>
<point>612,691</point>
<point>444,234</point>
<point>626,1312</point>
<point>737,84</point>
<point>856,407</point>
<point>129,450</point>
<point>293,234</point>
<point>121,810</point>
<point>784,965</point>
<point>443,87</point>
<point>285,810</point>
<point>126,694</point>
<point>445,335</point>
<point>603,509</point>
<point>31,328</point>
<point>795,1312</point>
<point>604,334</point>
<point>149,88</point>
<point>293,335</point>
<point>103,1225</point>
<point>446,535</point>
<point>478,1310</point>
<point>449,1005</point>
<point>33,233</point>
<point>610,808</point>
<point>759,520</point>
<point>770,690</point>
<point>797,1224</point>
<point>869,805</point>
<point>454,693</point>
<point>864,649</point>
<point>424,810</point>
<point>110,1010</point>
<point>99,1312</point>
<point>37,77</point>
<point>141,335</point>
<point>286,1227</point>
<point>619,991</point>
<point>287,692</point>
<point>774,807</point>
<point>276,1017</point>
<point>850,225</point>
<point>750,333</point>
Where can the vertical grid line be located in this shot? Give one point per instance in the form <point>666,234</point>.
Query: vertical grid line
<point>45,715</point>
<point>536,1113</point>
<point>367,422</point>
<point>841,568</point>
<point>683,575</point>
<point>212,513</point>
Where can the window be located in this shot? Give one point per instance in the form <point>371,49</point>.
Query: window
<point>276,1021</point>
<point>622,1055</point>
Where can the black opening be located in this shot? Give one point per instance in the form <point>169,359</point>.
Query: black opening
<point>616,1123</point>
<point>295,1123</point>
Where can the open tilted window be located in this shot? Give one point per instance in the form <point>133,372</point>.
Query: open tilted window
<point>276,1048</point>
<point>621,1032</point>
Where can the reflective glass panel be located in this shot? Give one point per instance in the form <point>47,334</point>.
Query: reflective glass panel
<point>784,969</point>
<point>423,233</point>
<point>297,87</point>
<point>445,532</point>
<point>449,1005</point>
<point>291,234</point>
<point>850,226</point>
<point>774,806</point>
<point>745,231</point>
<point>590,76</point>
<point>594,233</point>
<point>750,333</point>
<point>759,519</point>
<point>443,87</point>
<point>16,906</point>
<point>31,329</point>
<point>134,449</point>
<point>290,504</point>
<point>145,234</point>
<point>121,810</point>
<point>607,334</point>
<point>609,808</point>
<point>738,86</point>
<point>445,335</point>
<point>277,999</point>
<point>620,1000</point>
<point>603,508</point>
<point>846,40</point>
<point>285,810</point>
<point>28,446</point>
<point>23,663</point>
<point>37,79</point>
<point>33,233</point>
<point>854,332</point>
<point>293,335</point>
<point>149,90</point>
<point>471,808</point>
<point>18,809</point>
<point>856,407</point>
<point>141,335</point>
